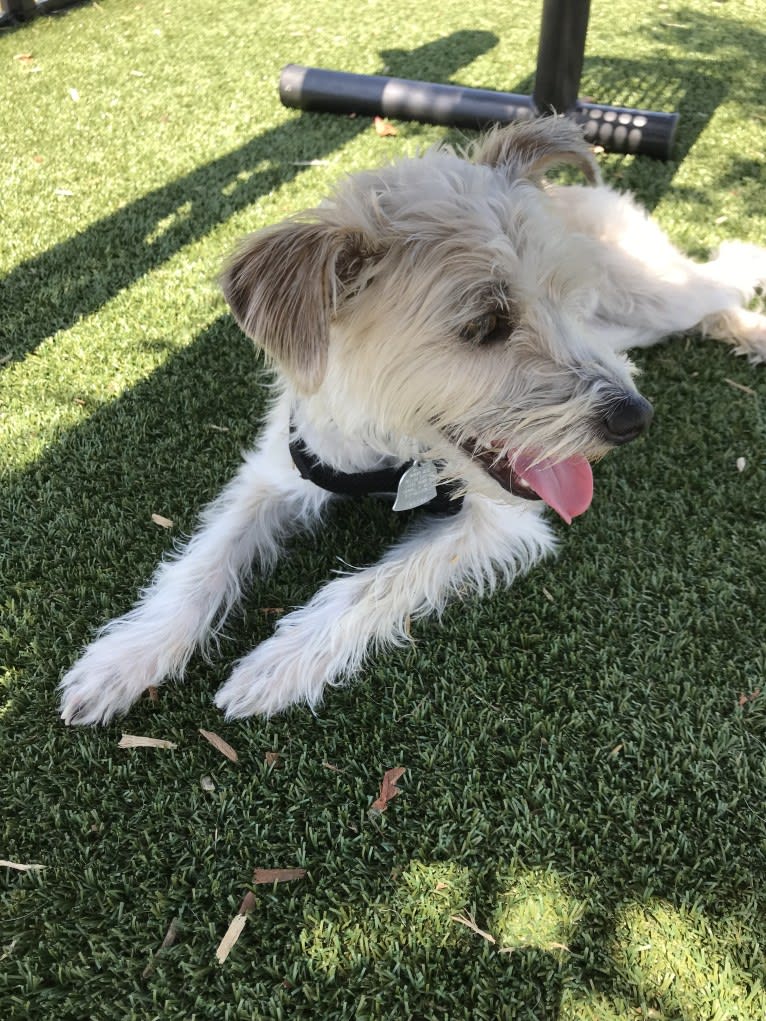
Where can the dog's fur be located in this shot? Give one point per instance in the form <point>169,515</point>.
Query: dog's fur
<point>451,308</point>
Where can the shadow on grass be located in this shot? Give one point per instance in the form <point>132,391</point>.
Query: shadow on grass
<point>693,87</point>
<point>687,88</point>
<point>79,541</point>
<point>55,8</point>
<point>76,277</point>
<point>167,446</point>
<point>525,956</point>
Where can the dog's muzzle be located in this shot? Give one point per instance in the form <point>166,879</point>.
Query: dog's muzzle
<point>566,485</point>
<point>624,418</point>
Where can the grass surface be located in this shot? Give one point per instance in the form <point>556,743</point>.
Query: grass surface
<point>584,783</point>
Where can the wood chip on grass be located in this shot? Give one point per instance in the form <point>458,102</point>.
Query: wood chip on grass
<point>470,923</point>
<point>237,924</point>
<point>136,741</point>
<point>384,128</point>
<point>19,867</point>
<point>388,789</point>
<point>744,699</point>
<point>168,941</point>
<point>262,877</point>
<point>219,744</point>
<point>741,387</point>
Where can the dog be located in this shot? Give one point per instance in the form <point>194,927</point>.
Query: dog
<point>450,329</point>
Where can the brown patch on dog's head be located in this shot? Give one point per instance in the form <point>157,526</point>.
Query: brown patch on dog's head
<point>533,147</point>
<point>283,286</point>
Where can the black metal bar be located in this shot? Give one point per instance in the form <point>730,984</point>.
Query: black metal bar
<point>312,88</point>
<point>560,55</point>
<point>617,129</point>
<point>624,130</point>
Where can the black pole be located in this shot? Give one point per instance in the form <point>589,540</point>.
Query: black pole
<point>560,55</point>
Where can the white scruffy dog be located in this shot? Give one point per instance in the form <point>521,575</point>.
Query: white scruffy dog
<point>448,328</point>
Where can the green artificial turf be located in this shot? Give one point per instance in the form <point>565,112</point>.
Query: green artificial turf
<point>585,754</point>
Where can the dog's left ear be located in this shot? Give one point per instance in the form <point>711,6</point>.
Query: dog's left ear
<point>532,147</point>
<point>283,286</point>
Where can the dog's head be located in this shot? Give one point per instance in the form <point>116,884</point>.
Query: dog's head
<point>439,305</point>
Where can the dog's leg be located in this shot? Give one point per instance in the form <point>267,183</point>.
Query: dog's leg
<point>647,289</point>
<point>687,297</point>
<point>326,641</point>
<point>743,329</point>
<point>191,595</point>
<point>742,266</point>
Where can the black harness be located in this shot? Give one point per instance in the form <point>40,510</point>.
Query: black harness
<point>383,482</point>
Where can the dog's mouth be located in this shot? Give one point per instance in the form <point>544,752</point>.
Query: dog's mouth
<point>566,486</point>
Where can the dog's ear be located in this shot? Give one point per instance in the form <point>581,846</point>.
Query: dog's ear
<point>283,285</point>
<point>532,147</point>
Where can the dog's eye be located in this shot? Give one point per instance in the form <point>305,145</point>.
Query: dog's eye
<point>485,329</point>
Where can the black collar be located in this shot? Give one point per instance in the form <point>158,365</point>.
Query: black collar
<point>383,482</point>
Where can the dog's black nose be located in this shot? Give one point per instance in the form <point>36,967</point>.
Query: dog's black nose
<point>625,418</point>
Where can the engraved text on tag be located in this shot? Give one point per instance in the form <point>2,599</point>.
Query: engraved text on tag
<point>417,486</point>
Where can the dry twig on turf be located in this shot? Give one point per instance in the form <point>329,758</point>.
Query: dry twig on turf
<point>236,926</point>
<point>136,741</point>
<point>168,941</point>
<point>470,923</point>
<point>218,742</point>
<point>263,876</point>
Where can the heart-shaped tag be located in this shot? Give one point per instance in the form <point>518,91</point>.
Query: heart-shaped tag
<point>417,486</point>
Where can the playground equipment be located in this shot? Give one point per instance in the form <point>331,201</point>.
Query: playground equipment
<point>560,57</point>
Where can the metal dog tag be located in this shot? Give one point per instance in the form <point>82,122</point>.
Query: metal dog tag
<point>417,486</point>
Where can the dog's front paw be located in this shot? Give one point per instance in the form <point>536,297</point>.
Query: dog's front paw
<point>105,681</point>
<point>277,675</point>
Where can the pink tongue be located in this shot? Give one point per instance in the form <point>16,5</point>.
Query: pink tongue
<point>566,486</point>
